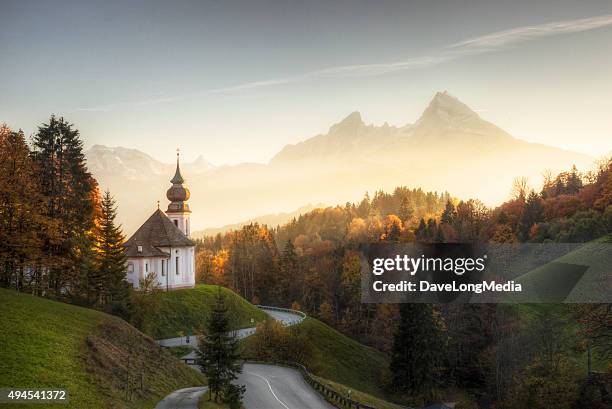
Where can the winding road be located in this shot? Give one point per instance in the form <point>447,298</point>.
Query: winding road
<point>267,386</point>
<point>187,398</point>
<point>277,387</point>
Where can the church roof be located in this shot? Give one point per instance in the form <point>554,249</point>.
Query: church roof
<point>157,231</point>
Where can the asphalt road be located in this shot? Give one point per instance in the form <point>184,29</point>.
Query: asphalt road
<point>267,386</point>
<point>276,387</point>
<point>286,318</point>
<point>187,398</point>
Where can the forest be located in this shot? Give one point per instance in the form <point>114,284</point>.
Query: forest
<point>512,356</point>
<point>59,239</point>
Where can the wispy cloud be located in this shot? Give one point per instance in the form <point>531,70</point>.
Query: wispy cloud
<point>501,39</point>
<point>473,46</point>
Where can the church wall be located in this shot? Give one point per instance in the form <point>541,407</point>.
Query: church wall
<point>181,220</point>
<point>186,276</point>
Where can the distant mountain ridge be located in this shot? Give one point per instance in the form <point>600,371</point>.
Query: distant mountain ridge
<point>449,148</point>
<point>134,164</point>
<point>271,220</point>
<point>445,117</point>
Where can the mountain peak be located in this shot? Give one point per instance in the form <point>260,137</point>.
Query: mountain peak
<point>350,124</point>
<point>444,106</point>
<point>448,115</point>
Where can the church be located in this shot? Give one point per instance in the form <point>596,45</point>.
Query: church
<point>162,244</point>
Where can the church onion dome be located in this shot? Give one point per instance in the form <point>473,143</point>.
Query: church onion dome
<point>178,194</point>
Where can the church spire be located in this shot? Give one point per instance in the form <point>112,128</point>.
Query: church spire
<point>178,194</point>
<point>178,178</point>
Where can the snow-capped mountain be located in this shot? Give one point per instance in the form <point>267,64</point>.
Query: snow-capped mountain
<point>133,164</point>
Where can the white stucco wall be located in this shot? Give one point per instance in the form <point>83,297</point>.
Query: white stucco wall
<point>182,221</point>
<point>171,278</point>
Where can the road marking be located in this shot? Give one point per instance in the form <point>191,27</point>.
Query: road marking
<point>269,386</point>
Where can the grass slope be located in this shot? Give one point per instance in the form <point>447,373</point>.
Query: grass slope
<point>337,357</point>
<point>578,276</point>
<point>49,344</point>
<point>188,310</point>
<point>359,396</point>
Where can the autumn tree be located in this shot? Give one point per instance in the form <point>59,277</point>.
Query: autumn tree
<point>22,222</point>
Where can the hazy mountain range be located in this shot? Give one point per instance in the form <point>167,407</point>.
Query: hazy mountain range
<point>272,220</point>
<point>450,147</point>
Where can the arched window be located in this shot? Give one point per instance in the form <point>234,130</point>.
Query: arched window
<point>130,267</point>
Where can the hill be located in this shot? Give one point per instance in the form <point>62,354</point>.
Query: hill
<point>50,344</point>
<point>268,219</point>
<point>188,310</point>
<point>337,357</point>
<point>448,145</point>
<point>581,275</point>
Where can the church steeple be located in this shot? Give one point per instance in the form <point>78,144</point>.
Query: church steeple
<point>178,178</point>
<point>178,194</point>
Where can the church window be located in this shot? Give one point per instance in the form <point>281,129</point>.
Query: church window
<point>163,270</point>
<point>187,226</point>
<point>176,222</point>
<point>176,259</point>
<point>130,267</point>
<point>146,267</point>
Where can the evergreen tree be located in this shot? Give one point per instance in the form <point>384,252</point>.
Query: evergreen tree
<point>533,213</point>
<point>70,194</point>
<point>218,352</point>
<point>421,231</point>
<point>449,215</point>
<point>288,270</point>
<point>574,182</point>
<point>406,211</point>
<point>417,350</point>
<point>109,285</point>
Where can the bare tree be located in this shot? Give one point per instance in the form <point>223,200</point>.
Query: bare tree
<point>520,188</point>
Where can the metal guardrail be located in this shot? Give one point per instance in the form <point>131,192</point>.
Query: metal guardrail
<point>296,312</point>
<point>329,394</point>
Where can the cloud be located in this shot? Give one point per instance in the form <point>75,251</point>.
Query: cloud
<point>500,39</point>
<point>473,46</point>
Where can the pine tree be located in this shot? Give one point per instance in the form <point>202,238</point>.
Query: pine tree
<point>417,350</point>
<point>70,194</point>
<point>218,352</point>
<point>406,211</point>
<point>574,182</point>
<point>421,231</point>
<point>533,213</point>
<point>109,284</point>
<point>288,270</point>
<point>449,215</point>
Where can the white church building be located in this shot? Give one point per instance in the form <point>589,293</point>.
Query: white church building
<point>162,244</point>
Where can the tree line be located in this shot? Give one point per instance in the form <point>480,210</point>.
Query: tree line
<point>312,263</point>
<point>58,236</point>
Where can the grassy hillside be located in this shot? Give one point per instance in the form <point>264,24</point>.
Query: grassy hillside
<point>580,275</point>
<point>45,343</point>
<point>337,357</point>
<point>188,310</point>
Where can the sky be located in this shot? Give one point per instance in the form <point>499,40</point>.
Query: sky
<point>236,81</point>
